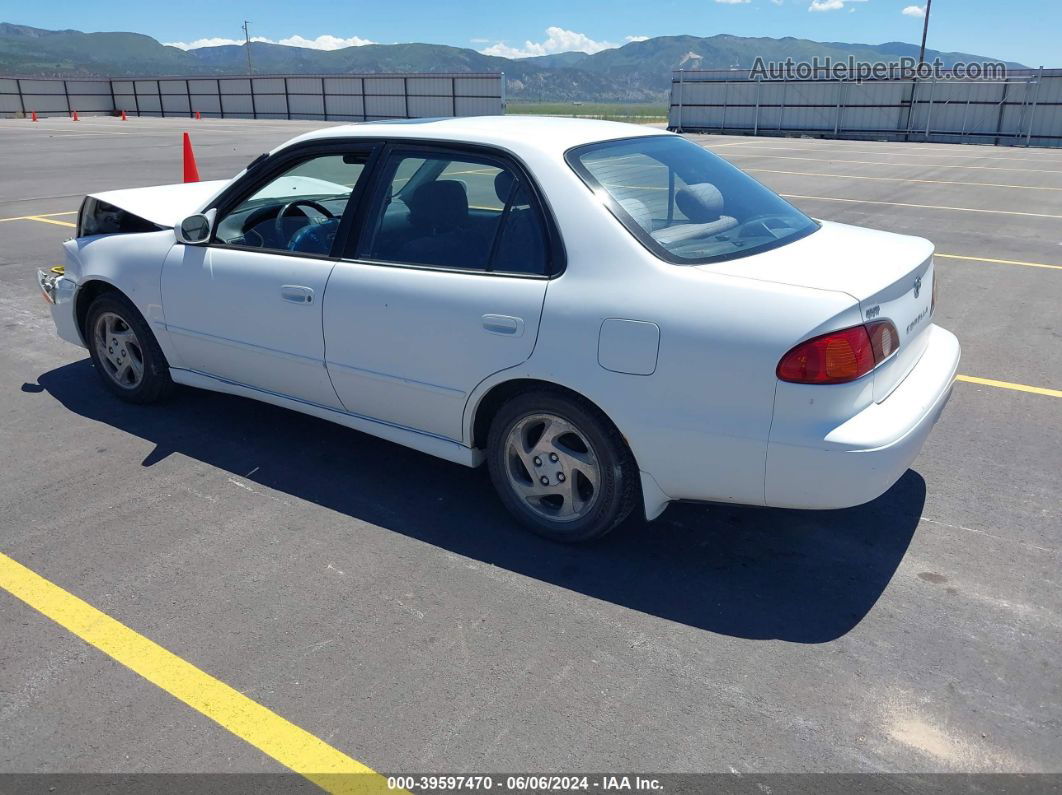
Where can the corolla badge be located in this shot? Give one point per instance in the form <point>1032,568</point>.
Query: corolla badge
<point>918,286</point>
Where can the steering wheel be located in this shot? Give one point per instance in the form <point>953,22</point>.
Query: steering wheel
<point>278,222</point>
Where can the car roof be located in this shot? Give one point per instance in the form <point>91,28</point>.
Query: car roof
<point>518,133</point>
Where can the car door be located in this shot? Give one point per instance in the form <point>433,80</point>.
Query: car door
<point>247,307</point>
<point>442,286</point>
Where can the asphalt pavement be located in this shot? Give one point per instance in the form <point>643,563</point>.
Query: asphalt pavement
<point>384,602</point>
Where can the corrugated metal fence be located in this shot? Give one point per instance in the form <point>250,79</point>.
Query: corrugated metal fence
<point>1023,110</point>
<point>325,97</point>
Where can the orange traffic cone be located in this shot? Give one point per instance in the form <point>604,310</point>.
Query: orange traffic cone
<point>34,118</point>
<point>123,116</point>
<point>197,116</point>
<point>191,173</point>
<point>75,116</point>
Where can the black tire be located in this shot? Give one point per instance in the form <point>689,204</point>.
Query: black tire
<point>154,381</point>
<point>612,499</point>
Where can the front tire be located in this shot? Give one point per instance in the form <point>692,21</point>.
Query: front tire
<point>560,467</point>
<point>125,353</point>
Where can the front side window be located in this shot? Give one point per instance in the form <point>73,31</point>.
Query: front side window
<point>457,211</point>
<point>686,204</point>
<point>297,211</point>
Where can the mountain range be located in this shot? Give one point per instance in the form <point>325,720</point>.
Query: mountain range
<point>636,72</point>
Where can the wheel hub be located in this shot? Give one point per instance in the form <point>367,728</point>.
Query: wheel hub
<point>119,350</point>
<point>552,467</point>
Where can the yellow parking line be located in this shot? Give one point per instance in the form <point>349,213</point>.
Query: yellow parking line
<point>901,179</point>
<point>919,206</point>
<point>38,216</point>
<point>48,220</point>
<point>999,261</point>
<point>285,742</point>
<point>1036,390</point>
<point>892,163</point>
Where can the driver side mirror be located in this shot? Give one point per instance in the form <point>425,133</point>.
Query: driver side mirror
<point>195,230</point>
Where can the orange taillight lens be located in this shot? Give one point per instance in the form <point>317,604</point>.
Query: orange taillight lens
<point>840,356</point>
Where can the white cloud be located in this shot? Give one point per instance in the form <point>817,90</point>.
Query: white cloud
<point>322,42</point>
<point>479,41</point>
<point>733,2</point>
<point>325,42</point>
<point>557,40</point>
<point>635,38</point>
<point>777,2</point>
<point>914,11</point>
<point>831,5</point>
<point>195,45</point>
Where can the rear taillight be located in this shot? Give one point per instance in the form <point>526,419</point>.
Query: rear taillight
<point>840,356</point>
<point>884,340</point>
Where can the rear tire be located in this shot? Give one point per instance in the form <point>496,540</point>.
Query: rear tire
<point>124,352</point>
<point>560,467</point>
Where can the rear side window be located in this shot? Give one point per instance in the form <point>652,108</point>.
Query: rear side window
<point>456,212</point>
<point>686,204</point>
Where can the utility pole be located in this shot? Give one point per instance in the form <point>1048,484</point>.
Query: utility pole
<point>247,39</point>
<point>925,32</point>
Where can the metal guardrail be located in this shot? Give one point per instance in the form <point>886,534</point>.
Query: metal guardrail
<point>359,97</point>
<point>1023,110</point>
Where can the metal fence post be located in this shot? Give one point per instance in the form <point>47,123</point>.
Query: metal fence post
<point>726,93</point>
<point>906,129</point>
<point>66,93</point>
<point>1002,110</point>
<point>188,93</point>
<point>840,103</point>
<point>324,98</point>
<point>162,106</point>
<point>1032,111</point>
<point>929,110</point>
<point>287,100</point>
<point>756,118</point>
<point>254,108</point>
<point>781,106</point>
<point>21,100</point>
<point>681,97</point>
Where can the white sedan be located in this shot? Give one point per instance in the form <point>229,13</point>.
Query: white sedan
<point>610,316</point>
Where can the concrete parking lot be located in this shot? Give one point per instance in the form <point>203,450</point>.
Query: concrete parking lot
<point>383,601</point>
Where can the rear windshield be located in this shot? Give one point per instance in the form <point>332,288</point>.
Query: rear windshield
<point>686,204</point>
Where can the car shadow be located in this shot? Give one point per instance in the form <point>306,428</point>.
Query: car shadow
<point>799,576</point>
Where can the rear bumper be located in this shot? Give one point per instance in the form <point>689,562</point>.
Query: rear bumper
<point>864,456</point>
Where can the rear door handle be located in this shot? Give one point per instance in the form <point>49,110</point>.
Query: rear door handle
<point>297,294</point>
<point>504,324</point>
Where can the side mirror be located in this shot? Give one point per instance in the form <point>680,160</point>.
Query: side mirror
<point>195,230</point>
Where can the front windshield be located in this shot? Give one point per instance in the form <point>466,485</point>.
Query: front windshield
<point>686,204</point>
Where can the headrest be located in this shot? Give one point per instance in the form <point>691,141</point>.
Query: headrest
<point>503,185</point>
<point>639,212</point>
<point>701,202</point>
<point>439,205</point>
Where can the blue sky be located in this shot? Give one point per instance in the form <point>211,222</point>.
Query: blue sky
<point>1025,30</point>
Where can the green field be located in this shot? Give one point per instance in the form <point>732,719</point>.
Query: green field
<point>636,113</point>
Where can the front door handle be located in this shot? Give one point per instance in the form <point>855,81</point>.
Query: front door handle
<point>297,294</point>
<point>504,324</point>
